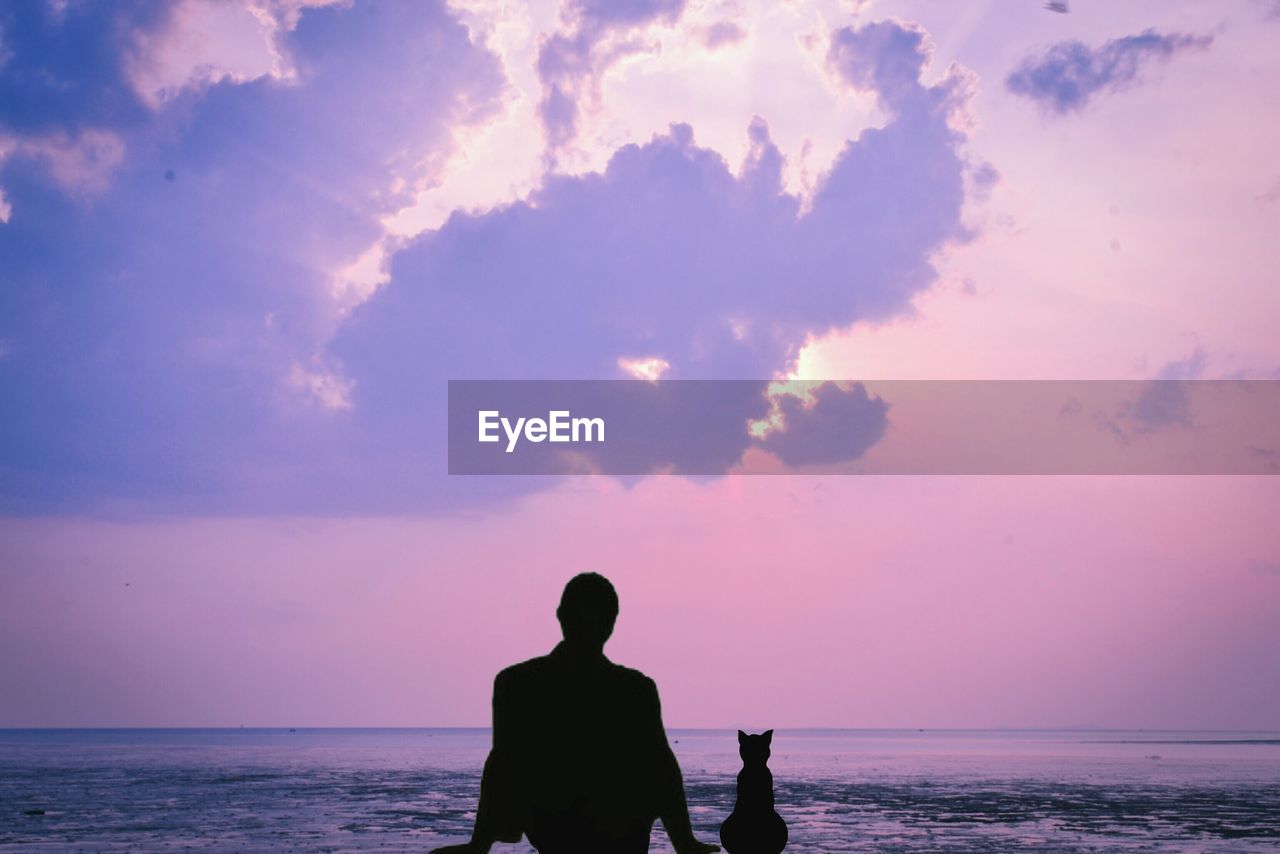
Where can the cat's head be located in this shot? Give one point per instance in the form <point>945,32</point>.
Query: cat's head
<point>754,748</point>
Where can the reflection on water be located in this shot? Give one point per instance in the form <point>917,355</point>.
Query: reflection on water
<point>838,790</point>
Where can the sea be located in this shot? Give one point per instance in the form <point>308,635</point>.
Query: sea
<point>838,790</point>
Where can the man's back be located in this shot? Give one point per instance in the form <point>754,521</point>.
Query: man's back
<point>583,740</point>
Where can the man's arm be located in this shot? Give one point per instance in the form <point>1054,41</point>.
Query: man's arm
<point>674,807</point>
<point>498,815</point>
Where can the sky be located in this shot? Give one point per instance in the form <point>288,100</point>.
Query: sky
<point>244,245</point>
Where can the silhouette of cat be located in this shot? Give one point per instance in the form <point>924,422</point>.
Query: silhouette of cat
<point>754,827</point>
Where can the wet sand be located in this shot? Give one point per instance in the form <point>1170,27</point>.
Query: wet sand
<point>330,791</point>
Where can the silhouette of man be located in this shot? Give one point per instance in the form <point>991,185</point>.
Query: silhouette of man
<point>580,761</point>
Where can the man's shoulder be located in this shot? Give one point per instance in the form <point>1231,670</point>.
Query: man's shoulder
<point>523,670</point>
<point>537,668</point>
<point>634,679</point>
<point>630,673</point>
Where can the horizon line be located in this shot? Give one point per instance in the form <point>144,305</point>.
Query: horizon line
<point>725,728</point>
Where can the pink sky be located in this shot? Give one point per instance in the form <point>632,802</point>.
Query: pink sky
<point>1133,233</point>
<point>934,602</point>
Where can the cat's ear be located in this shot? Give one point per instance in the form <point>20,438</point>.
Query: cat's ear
<point>742,737</point>
<point>768,737</point>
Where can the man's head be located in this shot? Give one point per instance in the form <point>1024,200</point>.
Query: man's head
<point>588,609</point>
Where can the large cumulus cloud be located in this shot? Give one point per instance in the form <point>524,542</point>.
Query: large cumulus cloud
<point>668,254</point>
<point>152,333</point>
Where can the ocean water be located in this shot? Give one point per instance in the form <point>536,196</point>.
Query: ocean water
<point>838,790</point>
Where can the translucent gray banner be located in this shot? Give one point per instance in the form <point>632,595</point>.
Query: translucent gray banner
<point>751,427</point>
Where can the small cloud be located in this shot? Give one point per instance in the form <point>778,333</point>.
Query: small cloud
<point>1160,403</point>
<point>83,163</point>
<point>981,179</point>
<point>1266,456</point>
<point>1165,403</point>
<point>1071,407</point>
<point>1190,368</point>
<point>985,177</point>
<point>1253,374</point>
<point>1270,196</point>
<point>323,387</point>
<point>721,34</point>
<point>834,424</point>
<point>1067,75</point>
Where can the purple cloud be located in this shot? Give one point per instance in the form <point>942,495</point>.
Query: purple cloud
<point>1067,75</point>
<point>64,69</point>
<point>153,328</point>
<point>1160,404</point>
<point>886,57</point>
<point>1165,402</point>
<point>839,424</point>
<point>667,254</point>
<point>570,64</point>
<point>1271,195</point>
<point>151,336</point>
<point>722,33</point>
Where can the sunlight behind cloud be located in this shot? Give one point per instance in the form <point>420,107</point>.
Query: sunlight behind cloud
<point>651,368</point>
